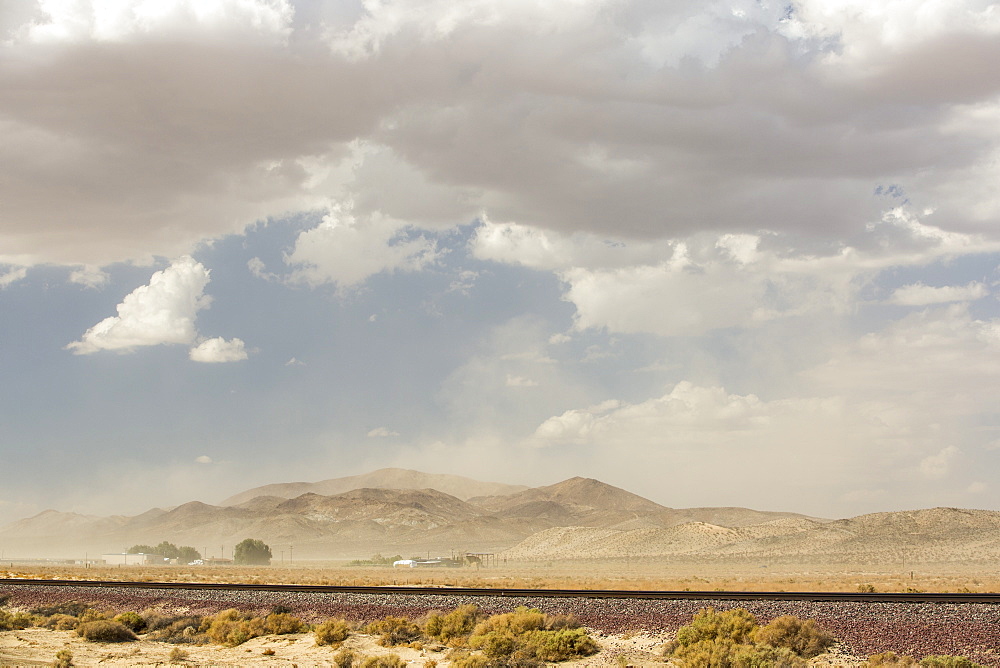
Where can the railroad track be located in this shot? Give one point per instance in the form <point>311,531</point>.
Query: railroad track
<point>877,597</point>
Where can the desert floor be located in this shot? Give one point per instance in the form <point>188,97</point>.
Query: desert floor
<point>673,576</point>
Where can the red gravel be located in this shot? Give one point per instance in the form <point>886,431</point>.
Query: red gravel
<point>917,629</point>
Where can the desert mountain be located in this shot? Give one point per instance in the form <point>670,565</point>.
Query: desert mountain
<point>932,535</point>
<point>579,518</point>
<point>458,486</point>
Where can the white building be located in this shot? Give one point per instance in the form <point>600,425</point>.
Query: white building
<point>126,559</point>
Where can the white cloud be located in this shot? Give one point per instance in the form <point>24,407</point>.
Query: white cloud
<point>295,362</point>
<point>219,350</point>
<point>12,276</point>
<point>938,465</point>
<point>162,312</point>
<point>382,432</point>
<point>918,294</point>
<point>346,251</point>
<point>130,20</point>
<point>520,381</point>
<point>204,459</point>
<point>91,277</point>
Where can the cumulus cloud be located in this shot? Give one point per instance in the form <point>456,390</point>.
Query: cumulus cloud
<point>162,312</point>
<point>219,350</point>
<point>938,465</point>
<point>382,432</point>
<point>345,251</point>
<point>91,277</point>
<point>918,294</point>
<point>204,459</point>
<point>520,381</point>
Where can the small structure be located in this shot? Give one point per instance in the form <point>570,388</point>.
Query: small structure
<point>138,559</point>
<point>437,562</point>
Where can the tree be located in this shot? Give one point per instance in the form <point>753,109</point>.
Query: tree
<point>252,552</point>
<point>187,554</point>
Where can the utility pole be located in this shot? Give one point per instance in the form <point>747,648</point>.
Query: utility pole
<point>289,555</point>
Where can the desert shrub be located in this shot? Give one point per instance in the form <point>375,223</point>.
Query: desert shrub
<point>92,615</point>
<point>522,638</point>
<point>11,621</point>
<point>890,659</point>
<point>177,655</point>
<point>453,626</point>
<point>282,623</point>
<point>268,652</point>
<point>345,658</point>
<point>430,663</point>
<point>736,625</point>
<point>948,661</point>
<point>866,588</point>
<point>332,632</point>
<point>72,608</point>
<point>724,653</point>
<point>394,631</point>
<point>801,636</point>
<point>180,631</point>
<point>59,622</point>
<point>64,659</point>
<point>383,661</point>
<point>132,620</point>
<point>231,627</point>
<point>467,660</point>
<point>520,621</point>
<point>560,645</point>
<point>105,630</point>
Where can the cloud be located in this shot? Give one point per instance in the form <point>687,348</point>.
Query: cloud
<point>12,276</point>
<point>162,312</point>
<point>204,459</point>
<point>382,432</point>
<point>632,119</point>
<point>918,294</point>
<point>294,362</point>
<point>218,350</point>
<point>520,381</point>
<point>937,466</point>
<point>345,251</point>
<point>91,277</point>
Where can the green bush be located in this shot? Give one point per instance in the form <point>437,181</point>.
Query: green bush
<point>454,626</point>
<point>15,621</point>
<point>523,638</point>
<point>708,624</point>
<point>560,645</point>
<point>724,653</point>
<point>132,620</point>
<point>332,632</point>
<point>282,623</point>
<point>252,552</point>
<point>520,621</point>
<point>105,630</point>
<point>394,631</point>
<point>804,638</point>
<point>383,661</point>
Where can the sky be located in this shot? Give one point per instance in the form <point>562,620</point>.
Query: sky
<point>718,253</point>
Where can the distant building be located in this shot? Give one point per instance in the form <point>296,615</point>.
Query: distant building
<point>140,559</point>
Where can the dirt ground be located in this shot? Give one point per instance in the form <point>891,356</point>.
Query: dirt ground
<point>38,647</point>
<point>636,575</point>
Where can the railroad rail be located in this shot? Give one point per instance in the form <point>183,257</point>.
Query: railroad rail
<point>861,597</point>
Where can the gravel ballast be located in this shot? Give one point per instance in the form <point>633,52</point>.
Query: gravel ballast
<point>917,629</point>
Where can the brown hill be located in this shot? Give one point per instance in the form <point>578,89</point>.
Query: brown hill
<point>457,486</point>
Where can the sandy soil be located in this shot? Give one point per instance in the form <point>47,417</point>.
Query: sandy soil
<point>38,647</point>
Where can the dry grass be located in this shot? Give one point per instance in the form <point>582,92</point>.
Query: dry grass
<point>635,575</point>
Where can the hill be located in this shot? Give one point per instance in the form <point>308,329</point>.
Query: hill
<point>457,486</point>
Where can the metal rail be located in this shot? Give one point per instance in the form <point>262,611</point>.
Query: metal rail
<point>877,597</point>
